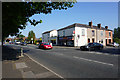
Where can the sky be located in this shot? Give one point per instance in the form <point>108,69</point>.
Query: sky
<point>105,13</point>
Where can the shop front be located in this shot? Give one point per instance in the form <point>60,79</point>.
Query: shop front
<point>66,41</point>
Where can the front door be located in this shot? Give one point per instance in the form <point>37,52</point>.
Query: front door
<point>106,41</point>
<point>93,40</point>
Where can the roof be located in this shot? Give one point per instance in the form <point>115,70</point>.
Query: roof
<point>83,25</point>
<point>47,32</point>
<point>70,26</point>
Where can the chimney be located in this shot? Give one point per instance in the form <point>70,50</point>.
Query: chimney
<point>90,24</point>
<point>99,26</point>
<point>106,27</point>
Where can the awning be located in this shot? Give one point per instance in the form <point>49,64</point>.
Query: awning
<point>53,39</point>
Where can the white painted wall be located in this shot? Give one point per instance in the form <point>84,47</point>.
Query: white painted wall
<point>53,33</point>
<point>82,40</point>
<point>68,32</point>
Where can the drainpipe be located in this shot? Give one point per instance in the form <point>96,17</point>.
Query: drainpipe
<point>96,34</point>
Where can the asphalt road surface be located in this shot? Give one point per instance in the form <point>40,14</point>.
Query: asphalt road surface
<point>73,63</point>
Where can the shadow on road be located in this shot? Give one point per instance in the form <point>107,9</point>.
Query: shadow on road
<point>9,53</point>
<point>107,50</point>
<point>110,50</point>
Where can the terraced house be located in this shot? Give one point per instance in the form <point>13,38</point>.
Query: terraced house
<point>96,33</point>
<point>81,34</point>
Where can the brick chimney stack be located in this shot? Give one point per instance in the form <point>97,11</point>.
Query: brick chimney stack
<point>99,26</point>
<point>90,24</point>
<point>106,27</point>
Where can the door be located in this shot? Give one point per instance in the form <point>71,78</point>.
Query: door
<point>93,40</point>
<point>88,40</point>
<point>106,41</point>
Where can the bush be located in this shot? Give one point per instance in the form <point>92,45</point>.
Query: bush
<point>117,40</point>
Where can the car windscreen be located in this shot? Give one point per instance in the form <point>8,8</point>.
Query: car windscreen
<point>46,43</point>
<point>89,44</point>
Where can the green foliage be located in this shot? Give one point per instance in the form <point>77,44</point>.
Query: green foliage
<point>20,36</point>
<point>31,34</point>
<point>117,32</point>
<point>15,15</point>
<point>117,40</point>
<point>117,35</point>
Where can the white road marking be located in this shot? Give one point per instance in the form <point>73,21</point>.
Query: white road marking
<point>44,66</point>
<point>93,60</point>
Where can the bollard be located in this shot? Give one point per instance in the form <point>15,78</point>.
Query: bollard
<point>21,53</point>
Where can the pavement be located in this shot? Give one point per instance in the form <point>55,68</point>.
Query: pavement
<point>14,66</point>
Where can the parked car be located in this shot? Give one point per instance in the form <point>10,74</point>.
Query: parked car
<point>17,42</point>
<point>114,44</point>
<point>11,42</point>
<point>45,45</point>
<point>92,46</point>
<point>23,43</point>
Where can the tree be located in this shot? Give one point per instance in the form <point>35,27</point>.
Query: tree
<point>117,32</point>
<point>20,35</point>
<point>31,34</point>
<point>117,35</point>
<point>15,15</point>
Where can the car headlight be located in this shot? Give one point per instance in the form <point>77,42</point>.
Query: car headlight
<point>87,46</point>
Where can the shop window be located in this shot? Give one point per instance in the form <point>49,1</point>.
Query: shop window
<point>63,33</point>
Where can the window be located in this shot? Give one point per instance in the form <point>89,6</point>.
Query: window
<point>101,33</point>
<point>109,34</point>
<point>51,35</point>
<point>83,32</point>
<point>63,33</point>
<point>93,33</point>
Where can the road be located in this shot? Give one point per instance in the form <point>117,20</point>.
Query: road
<point>73,63</point>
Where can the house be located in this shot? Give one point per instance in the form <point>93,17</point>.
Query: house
<point>50,36</point>
<point>72,35</point>
<point>109,36</point>
<point>79,34</point>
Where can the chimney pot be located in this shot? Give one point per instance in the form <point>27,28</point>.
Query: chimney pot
<point>90,24</point>
<point>106,27</point>
<point>99,26</point>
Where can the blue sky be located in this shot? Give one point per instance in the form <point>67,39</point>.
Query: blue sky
<point>105,13</point>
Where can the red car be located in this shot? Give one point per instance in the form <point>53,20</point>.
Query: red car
<point>45,45</point>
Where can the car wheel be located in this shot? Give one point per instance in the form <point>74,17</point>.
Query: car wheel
<point>89,49</point>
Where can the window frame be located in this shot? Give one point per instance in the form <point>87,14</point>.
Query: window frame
<point>83,32</point>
